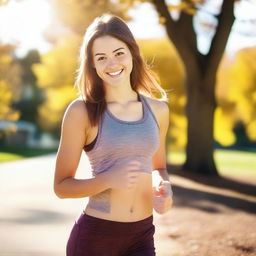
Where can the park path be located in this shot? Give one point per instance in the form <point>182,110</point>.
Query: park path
<point>34,221</point>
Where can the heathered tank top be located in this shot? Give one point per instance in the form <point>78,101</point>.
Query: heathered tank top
<point>119,141</point>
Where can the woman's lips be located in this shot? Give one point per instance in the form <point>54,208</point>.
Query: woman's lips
<point>116,73</point>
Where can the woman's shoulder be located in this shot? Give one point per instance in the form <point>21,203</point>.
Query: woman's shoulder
<point>76,107</point>
<point>76,112</point>
<point>157,105</point>
<point>77,104</point>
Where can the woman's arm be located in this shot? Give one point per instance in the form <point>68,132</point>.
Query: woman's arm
<point>159,159</point>
<point>162,192</point>
<point>73,138</point>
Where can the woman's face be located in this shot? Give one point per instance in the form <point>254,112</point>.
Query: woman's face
<point>112,60</point>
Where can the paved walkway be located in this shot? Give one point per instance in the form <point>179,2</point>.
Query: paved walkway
<point>33,221</point>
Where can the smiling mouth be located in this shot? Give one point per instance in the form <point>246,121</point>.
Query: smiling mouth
<point>115,73</point>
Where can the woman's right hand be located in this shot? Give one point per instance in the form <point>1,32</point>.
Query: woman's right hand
<point>123,175</point>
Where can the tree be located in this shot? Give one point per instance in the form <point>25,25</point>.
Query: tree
<point>246,92</point>
<point>9,88</point>
<point>77,14</point>
<point>236,94</point>
<point>201,72</point>
<point>31,96</point>
<point>55,77</point>
<point>9,83</point>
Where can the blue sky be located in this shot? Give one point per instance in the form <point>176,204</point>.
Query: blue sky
<point>16,25</point>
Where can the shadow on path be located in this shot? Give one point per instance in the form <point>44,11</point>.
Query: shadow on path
<point>187,197</point>
<point>35,216</point>
<point>217,182</point>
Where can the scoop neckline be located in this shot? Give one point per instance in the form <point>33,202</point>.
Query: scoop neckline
<point>130,122</point>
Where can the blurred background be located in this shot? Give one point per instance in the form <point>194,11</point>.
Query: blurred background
<point>39,45</point>
<point>204,52</point>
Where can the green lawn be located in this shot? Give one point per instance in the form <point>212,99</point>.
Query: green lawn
<point>236,162</point>
<point>227,161</point>
<point>12,154</point>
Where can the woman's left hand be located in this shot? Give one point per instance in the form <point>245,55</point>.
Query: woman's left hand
<point>162,197</point>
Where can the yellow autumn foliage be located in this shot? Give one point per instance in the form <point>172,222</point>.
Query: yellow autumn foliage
<point>56,75</point>
<point>168,66</point>
<point>236,95</point>
<point>77,15</point>
<point>223,126</point>
<point>9,80</point>
<point>58,65</point>
<point>51,113</point>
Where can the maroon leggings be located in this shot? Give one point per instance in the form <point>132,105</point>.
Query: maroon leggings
<point>92,236</point>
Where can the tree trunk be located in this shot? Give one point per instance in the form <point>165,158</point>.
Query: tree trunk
<point>201,77</point>
<point>200,116</point>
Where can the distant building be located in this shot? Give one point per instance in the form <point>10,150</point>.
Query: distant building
<point>18,133</point>
<point>23,133</point>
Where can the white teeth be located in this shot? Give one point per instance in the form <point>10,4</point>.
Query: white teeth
<point>115,73</point>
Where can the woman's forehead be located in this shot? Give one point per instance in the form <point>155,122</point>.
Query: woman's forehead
<point>107,44</point>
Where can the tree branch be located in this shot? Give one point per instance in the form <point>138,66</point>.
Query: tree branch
<point>163,11</point>
<point>186,31</point>
<point>181,33</point>
<point>225,21</point>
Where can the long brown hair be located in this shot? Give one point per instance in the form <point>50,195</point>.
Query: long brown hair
<point>90,86</point>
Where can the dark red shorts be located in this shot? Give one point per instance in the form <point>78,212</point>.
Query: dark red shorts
<point>92,236</point>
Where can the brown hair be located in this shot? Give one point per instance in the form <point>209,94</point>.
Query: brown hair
<point>90,86</point>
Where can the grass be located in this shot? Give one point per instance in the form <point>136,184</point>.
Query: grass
<point>16,153</point>
<point>236,162</point>
<point>227,161</point>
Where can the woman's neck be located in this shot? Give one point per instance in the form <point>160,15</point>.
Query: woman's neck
<point>121,96</point>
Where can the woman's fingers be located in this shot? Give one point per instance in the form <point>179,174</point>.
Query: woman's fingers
<point>162,201</point>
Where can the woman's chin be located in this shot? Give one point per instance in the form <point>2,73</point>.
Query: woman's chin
<point>115,83</point>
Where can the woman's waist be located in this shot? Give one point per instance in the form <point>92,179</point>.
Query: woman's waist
<point>122,205</point>
<point>121,215</point>
<point>134,201</point>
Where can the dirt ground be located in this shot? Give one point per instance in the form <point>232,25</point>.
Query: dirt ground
<point>210,217</point>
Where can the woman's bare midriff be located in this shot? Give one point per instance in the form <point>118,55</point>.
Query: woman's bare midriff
<point>129,205</point>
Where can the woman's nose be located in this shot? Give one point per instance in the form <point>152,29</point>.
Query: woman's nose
<point>112,62</point>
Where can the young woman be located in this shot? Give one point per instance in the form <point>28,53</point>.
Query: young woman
<point>122,127</point>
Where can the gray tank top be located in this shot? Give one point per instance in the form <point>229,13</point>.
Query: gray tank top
<point>120,141</point>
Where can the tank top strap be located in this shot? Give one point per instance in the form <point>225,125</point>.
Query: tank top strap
<point>147,108</point>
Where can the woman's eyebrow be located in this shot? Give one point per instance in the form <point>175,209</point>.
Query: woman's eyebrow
<point>113,51</point>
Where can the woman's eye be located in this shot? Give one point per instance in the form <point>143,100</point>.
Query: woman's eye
<point>100,58</point>
<point>119,53</point>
